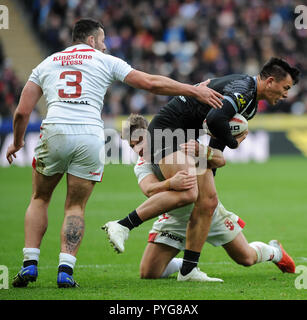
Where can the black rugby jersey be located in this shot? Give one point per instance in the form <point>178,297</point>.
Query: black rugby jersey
<point>239,91</point>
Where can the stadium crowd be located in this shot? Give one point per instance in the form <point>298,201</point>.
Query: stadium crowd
<point>10,86</point>
<point>188,40</point>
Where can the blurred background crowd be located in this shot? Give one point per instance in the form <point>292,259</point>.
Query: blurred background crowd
<point>10,86</point>
<point>188,40</point>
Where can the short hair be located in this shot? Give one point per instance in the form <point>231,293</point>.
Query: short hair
<point>84,28</point>
<point>134,122</point>
<point>279,68</point>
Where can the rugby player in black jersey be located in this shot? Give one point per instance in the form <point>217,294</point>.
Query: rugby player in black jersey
<point>241,95</point>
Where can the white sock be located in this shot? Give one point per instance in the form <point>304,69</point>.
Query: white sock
<point>265,252</point>
<point>173,266</point>
<point>31,254</point>
<point>67,259</point>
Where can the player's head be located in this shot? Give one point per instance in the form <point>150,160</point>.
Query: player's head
<point>91,32</point>
<point>135,132</point>
<point>277,77</point>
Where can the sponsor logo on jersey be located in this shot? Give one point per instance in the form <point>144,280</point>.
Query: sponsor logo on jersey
<point>72,59</point>
<point>76,102</point>
<point>241,102</point>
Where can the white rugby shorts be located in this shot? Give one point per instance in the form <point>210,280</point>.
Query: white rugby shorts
<point>225,226</point>
<point>76,149</point>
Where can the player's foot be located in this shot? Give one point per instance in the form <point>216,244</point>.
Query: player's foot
<point>117,235</point>
<point>286,264</point>
<point>24,276</point>
<point>65,280</point>
<point>197,275</point>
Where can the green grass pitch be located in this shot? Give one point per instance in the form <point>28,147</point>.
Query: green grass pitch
<point>270,197</point>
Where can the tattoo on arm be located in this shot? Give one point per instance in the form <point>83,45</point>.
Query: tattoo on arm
<point>73,232</point>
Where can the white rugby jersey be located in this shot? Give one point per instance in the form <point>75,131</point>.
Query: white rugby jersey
<point>74,83</point>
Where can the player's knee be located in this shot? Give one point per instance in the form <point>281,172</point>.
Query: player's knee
<point>148,274</point>
<point>44,197</point>
<point>209,204</point>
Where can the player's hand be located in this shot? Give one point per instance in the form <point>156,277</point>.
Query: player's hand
<point>11,152</point>
<point>240,137</point>
<point>182,181</point>
<point>209,96</point>
<point>192,148</point>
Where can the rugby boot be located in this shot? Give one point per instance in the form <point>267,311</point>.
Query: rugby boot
<point>286,264</point>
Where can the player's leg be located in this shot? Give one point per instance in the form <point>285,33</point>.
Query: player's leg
<point>248,254</point>
<point>36,222</point>
<point>36,218</point>
<point>156,258</point>
<point>78,193</point>
<point>199,223</point>
<point>167,201</point>
<point>159,260</point>
<point>241,252</point>
<point>84,170</point>
<point>157,204</point>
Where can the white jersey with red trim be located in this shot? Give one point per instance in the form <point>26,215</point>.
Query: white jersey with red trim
<point>74,83</point>
<point>170,228</point>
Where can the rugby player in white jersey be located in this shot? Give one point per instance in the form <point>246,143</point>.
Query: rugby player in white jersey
<point>174,124</point>
<point>168,234</point>
<point>74,82</point>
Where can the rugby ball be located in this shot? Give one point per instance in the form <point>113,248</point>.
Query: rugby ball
<point>237,124</point>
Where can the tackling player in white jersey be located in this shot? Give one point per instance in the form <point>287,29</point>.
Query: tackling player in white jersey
<point>74,82</point>
<point>168,234</point>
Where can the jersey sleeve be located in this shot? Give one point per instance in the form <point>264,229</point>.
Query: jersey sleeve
<point>240,93</point>
<point>218,124</point>
<point>34,77</point>
<point>142,169</point>
<point>120,69</point>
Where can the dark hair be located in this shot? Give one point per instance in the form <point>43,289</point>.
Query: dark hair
<point>279,68</point>
<point>133,123</point>
<point>84,28</point>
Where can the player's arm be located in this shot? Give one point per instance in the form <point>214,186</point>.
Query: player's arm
<point>30,95</point>
<point>165,86</point>
<point>218,124</point>
<point>214,157</point>
<point>217,144</point>
<point>151,185</point>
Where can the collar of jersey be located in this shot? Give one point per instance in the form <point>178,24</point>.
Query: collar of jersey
<point>79,45</point>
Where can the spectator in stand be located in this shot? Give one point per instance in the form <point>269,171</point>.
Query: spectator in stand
<point>10,89</point>
<point>185,39</point>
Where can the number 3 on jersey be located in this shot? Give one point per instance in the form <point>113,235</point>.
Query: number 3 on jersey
<point>75,84</point>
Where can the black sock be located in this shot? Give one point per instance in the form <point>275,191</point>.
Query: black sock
<point>29,263</point>
<point>190,261</point>
<point>131,221</point>
<point>65,268</point>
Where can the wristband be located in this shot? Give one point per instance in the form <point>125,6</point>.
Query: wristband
<point>210,153</point>
<point>168,184</point>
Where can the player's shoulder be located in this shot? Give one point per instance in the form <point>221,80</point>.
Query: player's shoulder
<point>108,58</point>
<point>240,83</point>
<point>142,169</point>
<point>241,88</point>
<point>140,164</point>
